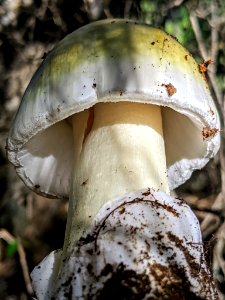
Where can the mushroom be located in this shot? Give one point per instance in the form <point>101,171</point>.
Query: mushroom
<point>145,245</point>
<point>110,111</point>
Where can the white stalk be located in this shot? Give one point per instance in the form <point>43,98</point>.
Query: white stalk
<point>119,148</point>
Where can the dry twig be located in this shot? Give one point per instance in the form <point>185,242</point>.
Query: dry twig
<point>205,55</point>
<point>24,266</point>
<point>9,238</point>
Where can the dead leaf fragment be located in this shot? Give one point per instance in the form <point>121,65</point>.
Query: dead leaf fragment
<point>171,90</point>
<point>209,132</point>
<point>203,67</point>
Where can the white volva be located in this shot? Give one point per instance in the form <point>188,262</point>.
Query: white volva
<point>148,240</point>
<point>119,149</point>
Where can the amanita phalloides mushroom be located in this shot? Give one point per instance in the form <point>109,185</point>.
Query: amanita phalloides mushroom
<point>114,108</point>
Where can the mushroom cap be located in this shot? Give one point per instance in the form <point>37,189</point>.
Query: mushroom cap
<point>112,61</point>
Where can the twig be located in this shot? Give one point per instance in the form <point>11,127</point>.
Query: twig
<point>24,266</point>
<point>9,238</point>
<point>30,207</point>
<point>220,248</point>
<point>174,3</point>
<point>107,13</point>
<point>219,265</point>
<point>127,8</point>
<point>198,35</point>
<point>6,236</point>
<point>218,212</point>
<point>204,53</point>
<point>214,36</point>
<point>210,223</point>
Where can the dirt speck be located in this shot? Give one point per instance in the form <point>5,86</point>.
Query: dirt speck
<point>84,182</point>
<point>211,111</point>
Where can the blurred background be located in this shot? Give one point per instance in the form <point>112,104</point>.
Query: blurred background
<point>31,226</point>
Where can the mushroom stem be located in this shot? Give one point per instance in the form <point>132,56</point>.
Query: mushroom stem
<point>119,148</point>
